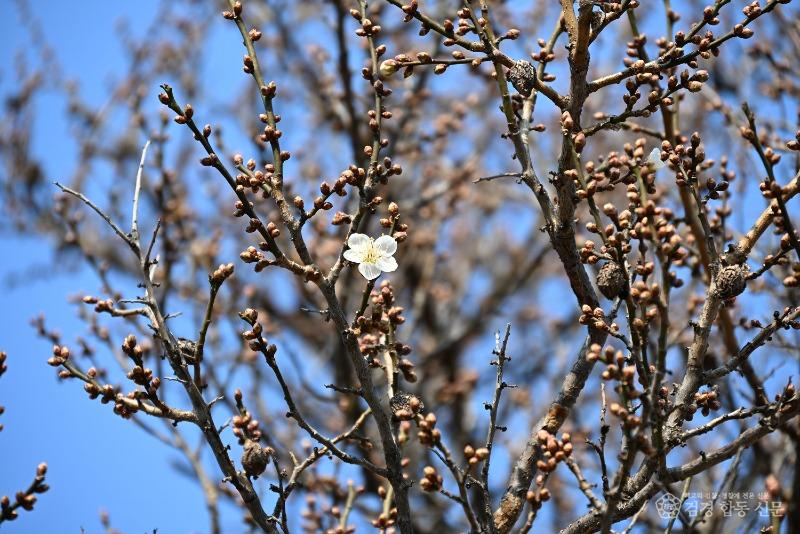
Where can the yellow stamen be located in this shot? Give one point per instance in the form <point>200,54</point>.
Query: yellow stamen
<point>371,255</point>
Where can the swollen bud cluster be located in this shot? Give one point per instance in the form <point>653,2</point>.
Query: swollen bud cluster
<point>220,274</point>
<point>60,355</point>
<point>431,480</point>
<point>475,456</point>
<point>405,406</point>
<point>553,450</point>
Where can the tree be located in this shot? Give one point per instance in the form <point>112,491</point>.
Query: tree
<point>438,178</point>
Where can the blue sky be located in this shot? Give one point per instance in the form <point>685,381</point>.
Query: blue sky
<point>96,460</point>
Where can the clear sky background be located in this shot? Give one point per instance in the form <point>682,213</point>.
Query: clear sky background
<point>96,460</point>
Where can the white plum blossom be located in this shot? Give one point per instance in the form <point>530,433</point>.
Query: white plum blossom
<point>372,255</point>
<point>654,159</point>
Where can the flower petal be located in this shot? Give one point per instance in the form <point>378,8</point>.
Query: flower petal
<point>386,264</point>
<point>386,245</point>
<point>354,255</point>
<point>358,241</point>
<point>370,271</point>
<point>654,159</point>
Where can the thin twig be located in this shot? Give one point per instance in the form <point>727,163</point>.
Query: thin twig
<point>136,191</point>
<point>496,176</point>
<point>117,230</point>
